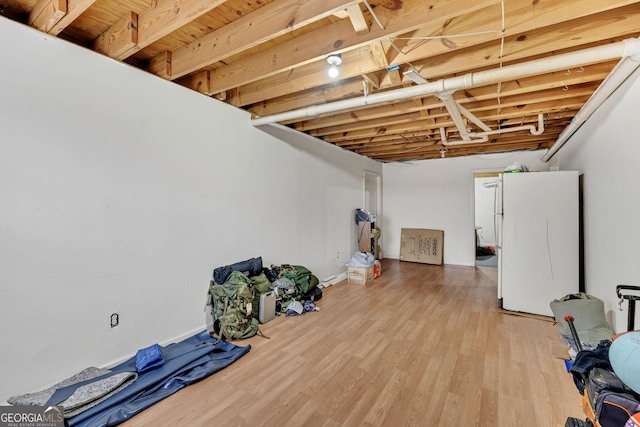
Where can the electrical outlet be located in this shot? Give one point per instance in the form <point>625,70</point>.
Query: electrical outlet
<point>115,320</point>
<point>338,255</point>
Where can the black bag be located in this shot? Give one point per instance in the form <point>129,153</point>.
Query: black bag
<point>251,267</point>
<point>271,273</point>
<point>610,399</point>
<point>314,294</point>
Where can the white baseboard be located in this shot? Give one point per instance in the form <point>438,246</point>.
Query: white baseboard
<point>332,280</point>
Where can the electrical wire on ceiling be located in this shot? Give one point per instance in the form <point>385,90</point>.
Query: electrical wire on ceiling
<point>501,32</point>
<point>475,33</point>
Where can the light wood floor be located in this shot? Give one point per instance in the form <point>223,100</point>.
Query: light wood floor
<point>422,345</point>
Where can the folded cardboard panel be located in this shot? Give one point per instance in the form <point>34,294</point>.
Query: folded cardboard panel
<point>422,245</point>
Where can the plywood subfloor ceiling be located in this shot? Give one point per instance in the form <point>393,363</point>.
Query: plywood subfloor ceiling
<point>270,57</point>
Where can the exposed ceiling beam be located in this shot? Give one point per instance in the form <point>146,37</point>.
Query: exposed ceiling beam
<point>411,144</point>
<point>595,72</point>
<point>266,23</point>
<point>47,13</point>
<point>591,74</point>
<point>459,150</point>
<point>359,22</point>
<point>269,57</point>
<point>161,18</point>
<point>75,8</point>
<point>620,22</point>
<point>120,39</point>
<point>518,102</point>
<point>338,37</point>
<point>414,123</point>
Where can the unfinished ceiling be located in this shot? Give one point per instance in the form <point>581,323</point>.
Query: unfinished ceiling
<point>270,57</point>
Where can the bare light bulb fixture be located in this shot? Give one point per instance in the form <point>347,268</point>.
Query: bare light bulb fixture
<point>334,60</point>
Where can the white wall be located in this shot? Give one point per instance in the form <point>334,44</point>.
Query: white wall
<point>438,194</point>
<point>484,207</point>
<point>121,192</point>
<point>607,150</point>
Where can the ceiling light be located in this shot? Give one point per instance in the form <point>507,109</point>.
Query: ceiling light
<point>334,60</point>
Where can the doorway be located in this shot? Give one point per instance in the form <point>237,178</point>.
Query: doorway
<point>372,203</point>
<point>485,188</point>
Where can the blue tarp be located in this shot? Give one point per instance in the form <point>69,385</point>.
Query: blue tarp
<point>186,362</point>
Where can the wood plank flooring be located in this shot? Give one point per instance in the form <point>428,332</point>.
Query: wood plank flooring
<point>422,345</point>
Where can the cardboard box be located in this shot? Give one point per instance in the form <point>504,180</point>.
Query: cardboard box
<point>422,245</point>
<point>359,275</point>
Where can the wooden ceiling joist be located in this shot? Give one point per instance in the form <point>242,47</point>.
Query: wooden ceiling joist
<point>160,19</point>
<point>616,23</point>
<point>489,105</point>
<point>595,72</point>
<point>74,9</point>
<point>47,13</point>
<point>268,22</point>
<point>359,22</point>
<point>268,57</point>
<point>120,39</point>
<point>337,37</point>
<point>416,124</point>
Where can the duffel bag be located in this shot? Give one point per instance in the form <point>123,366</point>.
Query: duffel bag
<point>611,401</point>
<point>251,267</point>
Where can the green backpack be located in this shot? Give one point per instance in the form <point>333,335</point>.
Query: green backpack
<point>301,276</point>
<point>232,308</point>
<point>260,286</point>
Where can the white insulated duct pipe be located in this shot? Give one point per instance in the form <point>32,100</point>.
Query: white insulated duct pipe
<point>484,136</point>
<point>531,128</point>
<point>469,115</point>
<point>446,142</point>
<point>628,64</point>
<point>452,107</point>
<point>540,66</point>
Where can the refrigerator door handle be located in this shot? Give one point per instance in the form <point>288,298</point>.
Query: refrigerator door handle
<point>497,213</point>
<point>497,218</point>
<point>497,228</point>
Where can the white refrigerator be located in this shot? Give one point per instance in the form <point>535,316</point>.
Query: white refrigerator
<point>537,221</point>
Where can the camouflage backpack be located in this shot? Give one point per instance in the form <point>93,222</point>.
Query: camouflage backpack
<point>232,308</point>
<point>301,276</point>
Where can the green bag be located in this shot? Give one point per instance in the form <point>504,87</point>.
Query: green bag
<point>232,308</point>
<point>301,276</point>
<point>260,286</point>
<point>589,318</point>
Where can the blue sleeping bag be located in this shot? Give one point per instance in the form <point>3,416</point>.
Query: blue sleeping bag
<point>185,362</point>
